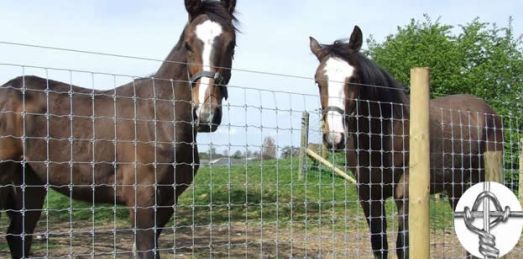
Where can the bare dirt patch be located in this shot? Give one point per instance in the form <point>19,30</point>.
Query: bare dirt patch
<point>231,240</point>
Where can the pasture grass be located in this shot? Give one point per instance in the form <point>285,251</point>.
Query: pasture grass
<point>257,192</point>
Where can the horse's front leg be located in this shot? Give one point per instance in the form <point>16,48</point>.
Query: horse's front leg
<point>167,199</point>
<point>139,194</point>
<point>25,209</point>
<point>151,207</point>
<point>142,207</point>
<point>373,206</point>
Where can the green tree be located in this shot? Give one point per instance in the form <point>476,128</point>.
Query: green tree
<point>481,59</point>
<point>477,58</point>
<point>421,44</point>
<point>269,148</point>
<point>237,154</point>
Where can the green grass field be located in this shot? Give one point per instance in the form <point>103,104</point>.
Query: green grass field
<point>265,192</point>
<point>261,197</point>
<point>260,194</point>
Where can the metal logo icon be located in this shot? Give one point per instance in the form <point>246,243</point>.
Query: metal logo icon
<point>488,220</point>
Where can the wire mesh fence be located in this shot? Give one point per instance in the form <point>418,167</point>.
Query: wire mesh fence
<point>246,198</point>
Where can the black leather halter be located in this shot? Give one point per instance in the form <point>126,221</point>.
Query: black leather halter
<point>219,79</point>
<point>333,109</point>
<point>209,74</point>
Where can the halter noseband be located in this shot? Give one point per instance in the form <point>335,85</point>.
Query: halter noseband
<point>219,79</point>
<point>333,109</point>
<point>209,74</point>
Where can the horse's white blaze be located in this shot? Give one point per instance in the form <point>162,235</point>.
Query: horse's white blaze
<point>337,71</point>
<point>207,33</point>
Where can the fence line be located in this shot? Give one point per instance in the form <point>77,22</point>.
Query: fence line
<point>215,200</point>
<point>43,47</point>
<point>162,61</point>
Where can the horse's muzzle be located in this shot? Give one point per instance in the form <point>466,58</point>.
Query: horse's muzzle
<point>334,141</point>
<point>208,118</point>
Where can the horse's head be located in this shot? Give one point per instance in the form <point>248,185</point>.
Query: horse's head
<point>209,40</point>
<point>338,82</point>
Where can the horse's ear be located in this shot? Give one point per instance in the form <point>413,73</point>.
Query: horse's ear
<point>193,7</point>
<point>315,47</point>
<point>356,39</point>
<point>230,5</point>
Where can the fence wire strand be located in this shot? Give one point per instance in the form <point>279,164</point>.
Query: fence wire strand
<point>246,199</point>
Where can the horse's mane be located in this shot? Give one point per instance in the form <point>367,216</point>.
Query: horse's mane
<point>377,84</point>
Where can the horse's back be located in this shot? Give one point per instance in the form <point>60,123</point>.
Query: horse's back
<point>464,115</point>
<point>59,122</point>
<point>63,123</point>
<point>462,127</point>
<point>463,103</point>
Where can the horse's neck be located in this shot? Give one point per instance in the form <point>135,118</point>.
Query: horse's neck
<point>375,116</point>
<point>174,66</point>
<point>170,82</point>
<point>367,117</point>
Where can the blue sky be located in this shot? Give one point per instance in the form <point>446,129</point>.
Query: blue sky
<point>274,39</point>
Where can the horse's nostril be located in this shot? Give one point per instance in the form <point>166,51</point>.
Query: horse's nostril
<point>206,114</point>
<point>334,140</point>
<point>341,144</point>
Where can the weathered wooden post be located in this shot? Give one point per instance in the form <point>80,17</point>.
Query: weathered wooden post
<point>304,143</point>
<point>493,166</point>
<point>324,150</point>
<point>493,161</point>
<point>419,165</point>
<point>493,170</point>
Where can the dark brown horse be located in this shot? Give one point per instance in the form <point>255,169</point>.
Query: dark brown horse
<point>366,113</point>
<point>133,145</point>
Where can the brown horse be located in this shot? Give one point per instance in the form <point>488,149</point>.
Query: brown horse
<point>133,145</point>
<point>366,113</point>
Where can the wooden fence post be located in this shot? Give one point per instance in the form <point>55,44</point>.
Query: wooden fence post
<point>493,166</point>
<point>521,173</point>
<point>324,150</point>
<point>419,165</point>
<point>304,143</point>
<point>493,169</point>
